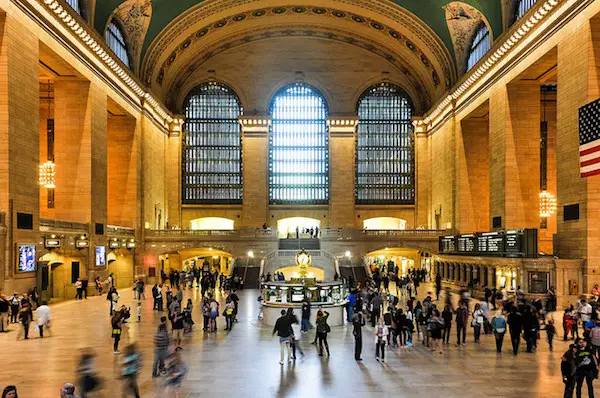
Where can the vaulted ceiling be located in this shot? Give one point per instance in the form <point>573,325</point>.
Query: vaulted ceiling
<point>422,41</point>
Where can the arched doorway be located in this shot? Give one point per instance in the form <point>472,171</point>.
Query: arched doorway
<point>121,266</point>
<point>384,223</point>
<point>212,223</point>
<point>298,227</point>
<point>208,259</point>
<point>60,270</point>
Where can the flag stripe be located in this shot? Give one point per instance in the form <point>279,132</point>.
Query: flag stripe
<point>591,173</point>
<point>590,150</point>
<point>586,168</point>
<point>585,158</point>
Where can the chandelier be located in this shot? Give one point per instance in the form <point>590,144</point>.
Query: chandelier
<point>547,204</point>
<point>48,175</point>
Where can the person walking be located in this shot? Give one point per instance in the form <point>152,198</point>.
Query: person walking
<point>161,348</point>
<point>375,307</point>
<point>25,317</point>
<point>531,326</point>
<point>305,315</point>
<point>131,367</point>
<point>435,328</point>
<point>568,370</point>
<point>322,330</point>
<point>586,368</point>
<point>43,316</point>
<point>296,334</point>
<point>551,332</point>
<point>381,333</point>
<point>478,321</point>
<point>515,326</point>
<point>87,379</point>
<point>498,324</point>
<point>176,372</point>
<point>283,328</point>
<point>447,317</point>
<point>358,321</point>
<point>4,306</point>
<point>79,287</point>
<point>462,316</point>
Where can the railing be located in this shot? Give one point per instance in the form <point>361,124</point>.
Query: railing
<point>253,233</point>
<point>121,231</point>
<point>49,224</point>
<point>324,233</point>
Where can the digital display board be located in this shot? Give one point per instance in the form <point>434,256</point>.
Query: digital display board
<point>100,256</point>
<point>26,260</point>
<point>512,243</point>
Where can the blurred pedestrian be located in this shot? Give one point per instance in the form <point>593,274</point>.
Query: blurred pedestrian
<point>161,347</point>
<point>25,317</point>
<point>176,372</point>
<point>68,391</point>
<point>131,368</point>
<point>44,316</point>
<point>87,377</point>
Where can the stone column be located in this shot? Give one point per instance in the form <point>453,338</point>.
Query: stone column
<point>422,176</point>
<point>515,154</point>
<point>342,169</point>
<point>173,166</point>
<point>255,160</point>
<point>19,144</point>
<point>578,84</point>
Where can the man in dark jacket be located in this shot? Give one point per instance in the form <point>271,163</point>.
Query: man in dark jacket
<point>376,304</point>
<point>515,325</point>
<point>4,305</point>
<point>568,368</point>
<point>305,315</point>
<point>283,328</point>
<point>161,347</point>
<point>586,368</point>
<point>358,322</point>
<point>438,286</point>
<point>462,316</point>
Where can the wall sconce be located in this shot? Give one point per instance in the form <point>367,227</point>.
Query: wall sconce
<point>131,244</point>
<point>114,244</point>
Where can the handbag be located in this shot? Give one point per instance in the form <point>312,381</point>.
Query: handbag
<point>327,328</point>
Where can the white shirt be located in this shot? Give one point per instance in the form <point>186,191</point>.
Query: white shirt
<point>297,332</point>
<point>43,314</point>
<point>586,312</point>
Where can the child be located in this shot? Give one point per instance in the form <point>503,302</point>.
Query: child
<point>550,331</point>
<point>139,311</point>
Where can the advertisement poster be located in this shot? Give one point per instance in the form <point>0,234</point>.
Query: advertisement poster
<point>100,256</point>
<point>26,258</point>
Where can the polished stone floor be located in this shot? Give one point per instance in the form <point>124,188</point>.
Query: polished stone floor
<point>244,362</point>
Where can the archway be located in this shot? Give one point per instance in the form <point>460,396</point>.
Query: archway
<point>393,259</point>
<point>208,259</point>
<point>287,227</point>
<point>120,264</point>
<point>212,223</point>
<point>384,223</point>
<point>60,270</point>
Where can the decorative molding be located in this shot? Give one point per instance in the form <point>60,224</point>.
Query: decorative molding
<point>257,126</point>
<point>206,10</point>
<point>342,126</point>
<point>419,88</point>
<point>82,32</point>
<point>499,52</point>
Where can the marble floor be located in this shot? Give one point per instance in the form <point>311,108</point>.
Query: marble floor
<point>244,362</point>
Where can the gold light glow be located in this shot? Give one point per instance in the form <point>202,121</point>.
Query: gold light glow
<point>48,175</point>
<point>547,204</point>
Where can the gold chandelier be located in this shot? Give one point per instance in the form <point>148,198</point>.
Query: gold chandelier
<point>547,204</point>
<point>48,175</point>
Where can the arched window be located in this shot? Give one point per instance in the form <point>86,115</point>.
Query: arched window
<point>212,146</point>
<point>480,46</point>
<point>385,147</point>
<point>116,42</point>
<point>75,5</point>
<point>298,147</point>
<point>522,7</point>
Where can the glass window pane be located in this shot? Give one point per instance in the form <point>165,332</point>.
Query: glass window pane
<point>298,147</point>
<point>116,42</point>
<point>480,46</point>
<point>523,7</point>
<point>385,147</point>
<point>74,5</point>
<point>212,147</point>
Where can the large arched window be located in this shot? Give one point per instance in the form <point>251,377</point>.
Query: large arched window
<point>212,146</point>
<point>522,7</point>
<point>298,147</point>
<point>116,41</point>
<point>385,147</point>
<point>480,45</point>
<point>75,5</point>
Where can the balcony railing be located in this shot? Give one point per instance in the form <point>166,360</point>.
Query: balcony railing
<point>120,231</point>
<point>49,224</point>
<point>324,233</point>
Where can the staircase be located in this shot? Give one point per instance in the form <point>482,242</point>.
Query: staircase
<point>299,244</point>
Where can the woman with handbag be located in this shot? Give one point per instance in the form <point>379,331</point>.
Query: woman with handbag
<point>322,330</point>
<point>478,321</point>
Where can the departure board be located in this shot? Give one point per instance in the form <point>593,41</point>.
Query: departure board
<point>511,243</point>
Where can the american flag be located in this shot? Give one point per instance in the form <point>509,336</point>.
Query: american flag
<point>589,139</point>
